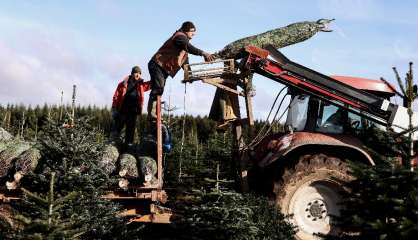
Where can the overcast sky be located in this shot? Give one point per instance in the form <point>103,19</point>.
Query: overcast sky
<point>47,46</point>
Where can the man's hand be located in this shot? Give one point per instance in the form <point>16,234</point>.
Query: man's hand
<point>208,57</point>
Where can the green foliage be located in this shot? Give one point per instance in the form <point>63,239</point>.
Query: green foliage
<point>230,215</point>
<point>383,203</point>
<point>34,119</point>
<point>73,155</point>
<point>384,146</point>
<point>215,211</point>
<point>47,221</point>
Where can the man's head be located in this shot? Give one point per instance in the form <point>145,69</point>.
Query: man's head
<point>189,29</point>
<point>136,72</point>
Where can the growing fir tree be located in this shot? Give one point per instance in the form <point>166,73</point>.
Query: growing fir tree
<point>383,200</point>
<point>39,217</point>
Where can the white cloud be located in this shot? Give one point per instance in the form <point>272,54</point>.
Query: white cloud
<point>350,9</point>
<point>38,62</point>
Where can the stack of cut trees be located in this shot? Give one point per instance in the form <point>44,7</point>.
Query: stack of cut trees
<point>18,158</point>
<point>135,168</point>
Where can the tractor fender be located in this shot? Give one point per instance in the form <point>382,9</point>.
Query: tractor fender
<point>276,147</point>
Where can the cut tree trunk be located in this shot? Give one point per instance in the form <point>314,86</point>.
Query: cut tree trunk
<point>123,183</point>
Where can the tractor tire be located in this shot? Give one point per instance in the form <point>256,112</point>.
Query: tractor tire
<point>309,193</point>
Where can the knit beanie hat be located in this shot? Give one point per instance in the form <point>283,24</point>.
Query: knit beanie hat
<point>136,69</point>
<point>186,26</point>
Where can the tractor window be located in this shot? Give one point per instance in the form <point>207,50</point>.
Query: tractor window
<point>355,121</point>
<point>296,115</point>
<point>331,119</point>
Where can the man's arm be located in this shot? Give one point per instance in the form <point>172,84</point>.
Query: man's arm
<point>147,86</point>
<point>116,98</point>
<point>183,43</point>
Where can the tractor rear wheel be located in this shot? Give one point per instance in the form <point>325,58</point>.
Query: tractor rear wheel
<point>309,192</point>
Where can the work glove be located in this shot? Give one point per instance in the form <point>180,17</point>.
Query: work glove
<point>208,57</point>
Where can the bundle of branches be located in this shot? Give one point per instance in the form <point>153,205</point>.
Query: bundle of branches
<point>17,158</point>
<point>148,168</point>
<point>25,163</point>
<point>278,38</point>
<point>74,155</point>
<point>12,150</point>
<point>110,155</point>
<point>5,136</point>
<point>382,204</point>
<point>128,170</point>
<point>230,215</point>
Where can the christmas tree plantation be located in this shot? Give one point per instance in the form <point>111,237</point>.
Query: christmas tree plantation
<point>62,197</point>
<point>383,199</point>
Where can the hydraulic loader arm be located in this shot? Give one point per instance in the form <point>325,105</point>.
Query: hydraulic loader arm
<point>274,65</point>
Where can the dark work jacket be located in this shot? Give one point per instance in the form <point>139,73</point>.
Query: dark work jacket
<point>172,55</point>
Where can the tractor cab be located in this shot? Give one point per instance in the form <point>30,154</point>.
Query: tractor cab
<point>312,114</point>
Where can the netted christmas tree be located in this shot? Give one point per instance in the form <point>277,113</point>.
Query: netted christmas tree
<point>73,154</point>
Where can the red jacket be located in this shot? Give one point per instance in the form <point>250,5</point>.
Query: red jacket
<point>121,91</point>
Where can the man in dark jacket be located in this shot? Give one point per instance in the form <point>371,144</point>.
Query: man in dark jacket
<point>168,60</point>
<point>127,104</point>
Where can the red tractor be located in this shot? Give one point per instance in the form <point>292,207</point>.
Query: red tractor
<point>302,168</point>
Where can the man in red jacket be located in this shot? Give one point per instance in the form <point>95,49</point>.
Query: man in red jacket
<point>168,60</point>
<point>127,104</point>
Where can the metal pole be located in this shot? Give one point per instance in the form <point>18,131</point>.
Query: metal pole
<point>73,106</point>
<point>61,105</point>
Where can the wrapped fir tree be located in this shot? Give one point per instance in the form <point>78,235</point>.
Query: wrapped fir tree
<point>110,155</point>
<point>11,152</point>
<point>278,38</point>
<point>5,136</point>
